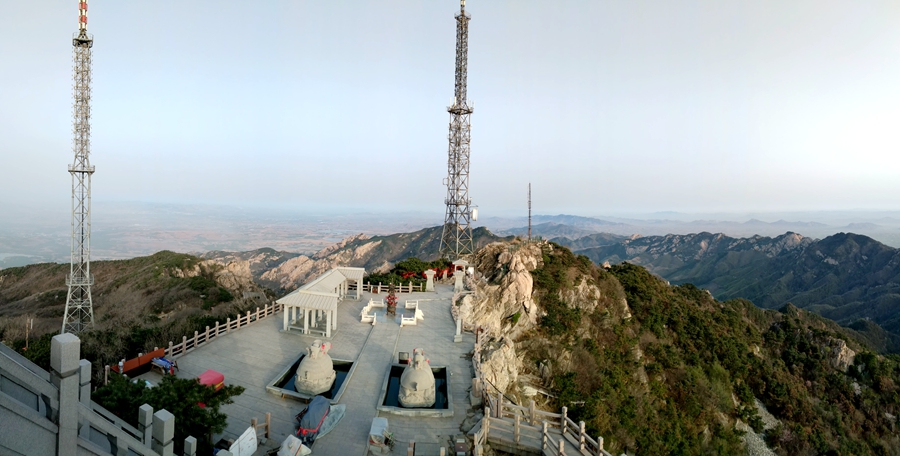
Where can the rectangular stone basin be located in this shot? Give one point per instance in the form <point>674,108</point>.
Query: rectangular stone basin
<point>443,403</point>
<point>283,384</point>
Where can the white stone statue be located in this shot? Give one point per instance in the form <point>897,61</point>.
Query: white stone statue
<point>417,382</point>
<point>315,374</point>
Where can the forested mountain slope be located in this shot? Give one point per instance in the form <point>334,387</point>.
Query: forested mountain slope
<point>845,277</point>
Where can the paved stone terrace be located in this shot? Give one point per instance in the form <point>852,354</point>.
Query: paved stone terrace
<point>254,355</point>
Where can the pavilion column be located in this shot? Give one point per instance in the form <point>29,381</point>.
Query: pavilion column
<point>305,321</point>
<point>328,324</point>
<point>334,320</point>
<point>286,312</point>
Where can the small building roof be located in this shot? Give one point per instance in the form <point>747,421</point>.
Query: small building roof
<point>355,274</point>
<point>326,282</point>
<point>320,293</point>
<point>310,300</point>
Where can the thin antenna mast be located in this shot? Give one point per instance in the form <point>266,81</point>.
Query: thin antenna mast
<point>79,306</point>
<point>529,211</point>
<point>456,238</point>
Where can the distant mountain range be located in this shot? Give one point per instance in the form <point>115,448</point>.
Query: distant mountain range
<point>876,226</point>
<point>846,277</point>
<point>285,271</point>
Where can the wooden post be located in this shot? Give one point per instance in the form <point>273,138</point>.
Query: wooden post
<point>531,407</point>
<point>195,338</point>
<point>562,448</point>
<point>562,420</point>
<point>206,335</point>
<point>543,436</point>
<point>500,405</point>
<point>237,322</point>
<point>581,435</point>
<point>248,318</point>
<point>516,428</point>
<point>257,314</point>
<point>599,445</point>
<point>183,344</point>
<point>411,449</point>
<point>268,423</point>
<point>169,351</point>
<point>217,328</point>
<point>486,422</point>
<point>253,425</point>
<point>227,325</point>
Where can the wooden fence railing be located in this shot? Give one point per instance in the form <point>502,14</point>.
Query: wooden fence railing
<point>528,426</point>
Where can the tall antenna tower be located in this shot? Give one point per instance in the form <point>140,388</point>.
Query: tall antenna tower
<point>456,239</point>
<point>79,307</point>
<point>529,211</point>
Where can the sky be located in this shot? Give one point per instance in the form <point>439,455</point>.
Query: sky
<point>604,106</point>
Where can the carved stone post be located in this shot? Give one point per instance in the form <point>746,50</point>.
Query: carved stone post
<point>164,433</point>
<point>65,349</point>
<point>145,423</point>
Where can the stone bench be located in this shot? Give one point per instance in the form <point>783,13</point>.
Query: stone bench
<point>373,303</point>
<point>414,306</point>
<point>407,321</point>
<point>367,315</point>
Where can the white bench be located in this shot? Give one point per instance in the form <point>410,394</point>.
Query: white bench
<point>414,306</point>
<point>407,321</point>
<point>373,303</point>
<point>367,315</point>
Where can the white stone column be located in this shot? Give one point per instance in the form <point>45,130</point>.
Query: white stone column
<point>305,321</point>
<point>328,324</point>
<point>84,384</point>
<point>190,446</point>
<point>429,280</point>
<point>287,310</point>
<point>164,433</point>
<point>145,423</point>
<point>65,349</point>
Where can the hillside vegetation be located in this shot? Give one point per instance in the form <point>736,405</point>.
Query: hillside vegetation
<point>138,303</point>
<point>845,277</point>
<point>661,369</point>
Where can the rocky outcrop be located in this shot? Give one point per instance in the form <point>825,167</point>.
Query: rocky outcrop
<point>840,356</point>
<point>505,292</point>
<point>500,364</point>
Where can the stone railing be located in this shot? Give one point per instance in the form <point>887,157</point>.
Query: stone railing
<point>188,345</point>
<point>383,288</point>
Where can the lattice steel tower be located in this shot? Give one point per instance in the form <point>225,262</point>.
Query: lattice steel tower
<point>456,239</point>
<point>79,307</point>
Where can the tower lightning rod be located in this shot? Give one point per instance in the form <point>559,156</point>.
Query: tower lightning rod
<point>456,238</point>
<point>79,314</point>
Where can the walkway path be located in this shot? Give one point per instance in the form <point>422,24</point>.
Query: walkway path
<point>254,355</point>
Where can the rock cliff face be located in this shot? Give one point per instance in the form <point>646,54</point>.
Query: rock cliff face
<point>507,306</point>
<point>506,289</point>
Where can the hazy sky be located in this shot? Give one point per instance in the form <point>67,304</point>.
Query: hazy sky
<point>605,106</point>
